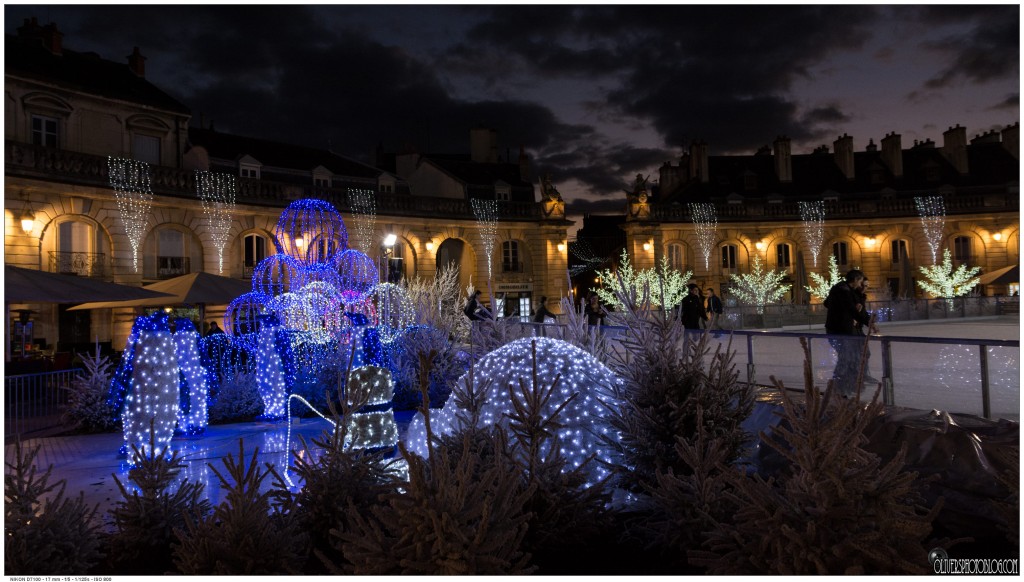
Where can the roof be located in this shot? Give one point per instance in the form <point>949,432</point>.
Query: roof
<point>226,146</point>
<point>480,173</point>
<point>85,72</point>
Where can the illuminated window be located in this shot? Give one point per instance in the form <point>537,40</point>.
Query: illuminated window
<point>510,257</point>
<point>676,256</point>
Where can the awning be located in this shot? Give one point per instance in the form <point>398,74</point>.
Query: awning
<point>1002,276</point>
<point>33,286</point>
<point>191,289</point>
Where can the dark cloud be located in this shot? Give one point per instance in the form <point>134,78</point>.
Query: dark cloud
<point>988,50</point>
<point>1011,103</point>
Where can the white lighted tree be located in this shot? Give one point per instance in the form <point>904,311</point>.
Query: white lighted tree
<point>486,212</point>
<point>130,181</point>
<point>812,214</point>
<point>943,281</point>
<point>217,192</point>
<point>664,287</point>
<point>820,286</point>
<point>933,219</point>
<point>363,205</point>
<point>706,223</point>
<point>759,287</point>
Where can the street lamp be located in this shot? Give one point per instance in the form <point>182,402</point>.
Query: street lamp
<point>394,268</point>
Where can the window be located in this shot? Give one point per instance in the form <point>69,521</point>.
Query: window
<point>255,251</point>
<point>146,148</point>
<point>321,182</point>
<point>76,242</point>
<point>676,256</point>
<point>386,188</point>
<point>44,131</point>
<point>248,171</point>
<point>839,252</point>
<point>729,257</point>
<point>962,248</point>
<point>502,192</point>
<point>524,308</point>
<point>510,257</point>
<point>171,259</point>
<point>782,256</point>
<point>899,248</point>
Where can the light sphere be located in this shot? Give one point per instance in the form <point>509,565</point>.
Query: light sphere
<point>499,373</point>
<point>310,231</point>
<point>276,275</point>
<point>357,274</point>
<point>242,318</point>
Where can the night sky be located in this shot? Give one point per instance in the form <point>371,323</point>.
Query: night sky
<point>596,94</point>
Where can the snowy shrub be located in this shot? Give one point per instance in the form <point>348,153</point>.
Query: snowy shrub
<point>88,408</point>
<point>237,400</point>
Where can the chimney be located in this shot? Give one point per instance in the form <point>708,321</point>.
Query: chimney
<point>483,145</point>
<point>1011,139</point>
<point>524,164</point>
<point>668,177</point>
<point>52,38</point>
<point>137,63</point>
<point>844,155</point>
<point>30,29</point>
<point>871,147</point>
<point>954,147</point>
<point>699,161</point>
<point>783,159</point>
<point>892,153</point>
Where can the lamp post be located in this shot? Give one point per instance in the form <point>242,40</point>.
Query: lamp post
<point>389,249</point>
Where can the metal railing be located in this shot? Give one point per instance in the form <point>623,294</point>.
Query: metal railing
<point>34,402</point>
<point>167,267</point>
<point>80,264</point>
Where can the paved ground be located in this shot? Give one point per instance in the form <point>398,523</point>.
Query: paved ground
<point>926,377</point>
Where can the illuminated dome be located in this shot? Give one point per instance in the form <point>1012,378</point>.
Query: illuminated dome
<point>310,231</point>
<point>582,420</point>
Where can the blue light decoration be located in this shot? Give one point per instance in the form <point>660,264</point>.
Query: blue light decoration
<point>242,318</point>
<point>357,274</point>
<point>276,275</point>
<point>310,231</point>
<point>120,382</point>
<point>500,372</point>
<point>222,358</point>
<point>192,412</point>
<point>270,378</point>
<point>323,309</point>
<point>153,393</point>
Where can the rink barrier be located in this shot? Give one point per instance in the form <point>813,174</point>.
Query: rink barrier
<point>34,402</point>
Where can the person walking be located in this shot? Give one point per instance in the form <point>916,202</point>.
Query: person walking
<point>473,310</point>
<point>844,310</point>
<point>214,329</point>
<point>714,310</point>
<point>693,308</point>
<point>542,311</point>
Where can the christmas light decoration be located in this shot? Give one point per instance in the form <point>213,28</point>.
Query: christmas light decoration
<point>653,283</point>
<point>759,287</point>
<point>192,413</point>
<point>584,257</point>
<point>394,311</point>
<point>705,221</point>
<point>130,181</point>
<point>932,210</point>
<point>242,317</point>
<point>217,191</point>
<point>820,286</point>
<point>276,275</point>
<point>486,212</point>
<point>500,372</point>
<point>357,274</point>
<point>120,382</point>
<point>363,205</point>
<point>373,426</point>
<point>813,216</point>
<point>152,397</point>
<point>270,379</point>
<point>322,306</point>
<point>310,231</point>
<point>943,281</point>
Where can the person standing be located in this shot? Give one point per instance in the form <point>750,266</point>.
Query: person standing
<point>714,310</point>
<point>473,310</point>
<point>542,311</point>
<point>213,329</point>
<point>693,308</point>
<point>594,311</point>
<point>844,311</point>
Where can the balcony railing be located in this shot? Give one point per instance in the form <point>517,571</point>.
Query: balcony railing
<point>507,267</point>
<point>167,267</point>
<point>92,265</point>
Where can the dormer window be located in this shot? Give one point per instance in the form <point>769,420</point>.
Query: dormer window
<point>502,192</point>
<point>321,177</point>
<point>386,184</point>
<point>249,167</point>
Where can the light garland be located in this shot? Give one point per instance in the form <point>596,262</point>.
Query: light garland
<point>394,310</point>
<point>270,378</point>
<point>486,212</point>
<point>154,390</point>
<point>665,287</point>
<point>363,206</point>
<point>813,216</point>
<point>192,413</point>
<point>217,191</point>
<point>706,223</point>
<point>581,422</point>
<point>373,426</point>
<point>759,287</point>
<point>310,231</point>
<point>943,281</point>
<point>130,181</point>
<point>933,219</point>
<point>820,286</point>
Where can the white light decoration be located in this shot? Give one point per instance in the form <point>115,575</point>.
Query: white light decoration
<point>357,274</point>
<point>194,420</point>
<point>933,219</point>
<point>486,212</point>
<point>812,214</point>
<point>154,389</point>
<point>759,287</point>
<point>363,206</point>
<point>217,191</point>
<point>820,286</point>
<point>270,379</point>
<point>394,311</point>
<point>706,223</point>
<point>322,306</point>
<point>581,422</point>
<point>649,281</point>
<point>943,281</point>
<point>130,181</point>
<point>372,429</point>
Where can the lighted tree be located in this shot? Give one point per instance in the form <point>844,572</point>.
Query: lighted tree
<point>820,285</point>
<point>130,181</point>
<point>943,281</point>
<point>217,192</point>
<point>812,214</point>
<point>759,287</point>
<point>706,225</point>
<point>664,287</point>
<point>933,219</point>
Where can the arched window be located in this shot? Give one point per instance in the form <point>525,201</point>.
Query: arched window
<point>782,256</point>
<point>840,252</point>
<point>676,254</point>
<point>900,248</point>
<point>729,257</point>
<point>254,250</point>
<point>81,249</point>
<point>510,262</point>
<point>962,249</point>
<point>170,251</point>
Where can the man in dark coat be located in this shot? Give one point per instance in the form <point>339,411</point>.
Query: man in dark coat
<point>693,308</point>
<point>845,311</point>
